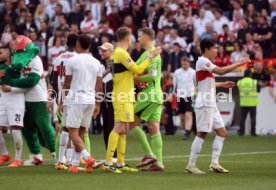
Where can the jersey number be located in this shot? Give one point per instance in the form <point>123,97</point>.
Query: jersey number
<point>17,117</point>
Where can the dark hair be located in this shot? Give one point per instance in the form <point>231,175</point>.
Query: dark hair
<point>185,58</point>
<point>84,41</point>
<point>122,33</point>
<point>206,44</point>
<point>149,32</point>
<point>247,73</point>
<point>86,12</point>
<point>55,39</point>
<point>72,40</point>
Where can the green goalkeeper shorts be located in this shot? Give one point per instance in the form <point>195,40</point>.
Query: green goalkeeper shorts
<point>148,111</point>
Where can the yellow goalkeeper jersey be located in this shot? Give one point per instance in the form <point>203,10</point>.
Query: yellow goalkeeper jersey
<point>124,68</point>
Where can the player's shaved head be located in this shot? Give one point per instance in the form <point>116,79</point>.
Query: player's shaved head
<point>122,33</point>
<point>4,54</point>
<point>84,41</point>
<point>72,40</point>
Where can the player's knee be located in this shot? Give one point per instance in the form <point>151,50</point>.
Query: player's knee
<point>222,132</point>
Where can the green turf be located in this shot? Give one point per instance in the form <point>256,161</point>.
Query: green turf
<point>251,161</point>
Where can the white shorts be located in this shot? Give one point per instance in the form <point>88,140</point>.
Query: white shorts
<point>208,118</point>
<point>79,115</point>
<point>11,117</point>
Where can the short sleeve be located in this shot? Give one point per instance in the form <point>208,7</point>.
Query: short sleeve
<point>207,66</point>
<point>100,71</point>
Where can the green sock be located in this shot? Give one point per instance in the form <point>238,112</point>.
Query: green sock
<point>87,142</point>
<point>57,144</point>
<point>157,146</point>
<point>140,135</point>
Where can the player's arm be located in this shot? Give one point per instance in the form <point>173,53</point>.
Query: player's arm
<point>30,81</point>
<point>132,66</point>
<point>152,75</point>
<point>227,69</point>
<point>227,84</point>
<point>99,96</point>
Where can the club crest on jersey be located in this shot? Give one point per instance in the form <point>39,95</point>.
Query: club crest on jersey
<point>27,71</point>
<point>208,64</point>
<point>128,60</point>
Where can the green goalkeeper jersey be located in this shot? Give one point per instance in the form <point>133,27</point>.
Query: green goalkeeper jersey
<point>152,75</point>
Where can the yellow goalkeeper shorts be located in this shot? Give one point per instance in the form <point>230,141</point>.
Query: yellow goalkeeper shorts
<point>123,111</point>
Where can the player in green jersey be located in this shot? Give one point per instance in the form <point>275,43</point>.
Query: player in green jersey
<point>149,106</point>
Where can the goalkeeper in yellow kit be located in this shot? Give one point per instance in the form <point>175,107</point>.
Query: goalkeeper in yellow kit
<point>123,98</point>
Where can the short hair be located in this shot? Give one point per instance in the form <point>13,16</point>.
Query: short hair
<point>247,73</point>
<point>86,12</point>
<point>206,44</point>
<point>72,40</point>
<point>84,41</point>
<point>185,58</point>
<point>122,33</point>
<point>149,32</point>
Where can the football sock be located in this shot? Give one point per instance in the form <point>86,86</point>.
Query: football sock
<point>87,142</point>
<point>111,147</point>
<point>76,158</point>
<point>195,150</point>
<point>85,154</point>
<point>3,147</point>
<point>18,143</point>
<point>217,147</point>
<point>121,148</point>
<point>64,138</point>
<point>141,137</point>
<point>157,147</point>
<point>69,154</point>
<point>57,144</point>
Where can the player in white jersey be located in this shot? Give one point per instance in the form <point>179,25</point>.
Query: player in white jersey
<point>57,80</point>
<point>207,114</point>
<point>84,80</point>
<point>12,108</point>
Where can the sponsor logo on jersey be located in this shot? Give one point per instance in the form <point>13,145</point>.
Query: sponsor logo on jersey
<point>128,60</point>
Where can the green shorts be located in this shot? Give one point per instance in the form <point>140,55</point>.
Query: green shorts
<point>148,111</point>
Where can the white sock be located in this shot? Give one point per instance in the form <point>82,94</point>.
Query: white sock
<point>18,143</point>
<point>3,147</point>
<point>85,154</point>
<point>63,141</point>
<point>195,150</point>
<point>217,147</point>
<point>76,159</point>
<point>69,154</point>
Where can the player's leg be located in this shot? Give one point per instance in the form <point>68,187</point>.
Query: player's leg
<point>29,132</point>
<point>188,117</point>
<point>204,120</point>
<point>218,143</point>
<point>5,156</point>
<point>42,121</point>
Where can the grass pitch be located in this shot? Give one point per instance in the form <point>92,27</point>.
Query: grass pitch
<point>251,161</point>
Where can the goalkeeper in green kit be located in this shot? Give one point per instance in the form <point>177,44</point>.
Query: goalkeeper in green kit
<point>148,106</point>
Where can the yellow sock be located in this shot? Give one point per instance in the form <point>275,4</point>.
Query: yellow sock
<point>112,145</point>
<point>121,148</point>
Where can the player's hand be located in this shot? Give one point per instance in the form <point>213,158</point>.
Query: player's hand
<point>228,84</point>
<point>136,78</point>
<point>155,52</point>
<point>6,88</point>
<point>96,112</point>
<point>2,73</point>
<point>60,109</point>
<point>244,61</point>
<point>49,106</point>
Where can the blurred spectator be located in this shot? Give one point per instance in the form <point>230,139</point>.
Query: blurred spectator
<point>76,16</point>
<point>62,23</point>
<point>185,32</point>
<point>242,31</point>
<point>65,6</point>
<point>153,17</point>
<point>40,16</point>
<point>105,29</point>
<point>272,84</point>
<point>200,22</point>
<point>229,44</point>
<point>28,25</point>
<point>238,54</point>
<point>259,4</point>
<point>237,23</point>
<point>261,75</point>
<point>55,50</point>
<point>219,21</point>
<point>224,36</point>
<point>50,8</point>
<point>167,20</point>
<point>88,24</point>
<point>137,52</point>
<point>263,36</point>
<point>249,45</point>
<point>175,38</point>
<point>250,12</point>
<point>137,14</point>
<point>95,8</point>
<point>237,8</point>
<point>208,31</point>
<point>128,22</point>
<point>115,19</point>
<point>175,57</point>
<point>33,36</point>
<point>32,5</point>
<point>6,37</point>
<point>58,33</point>
<point>222,59</point>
